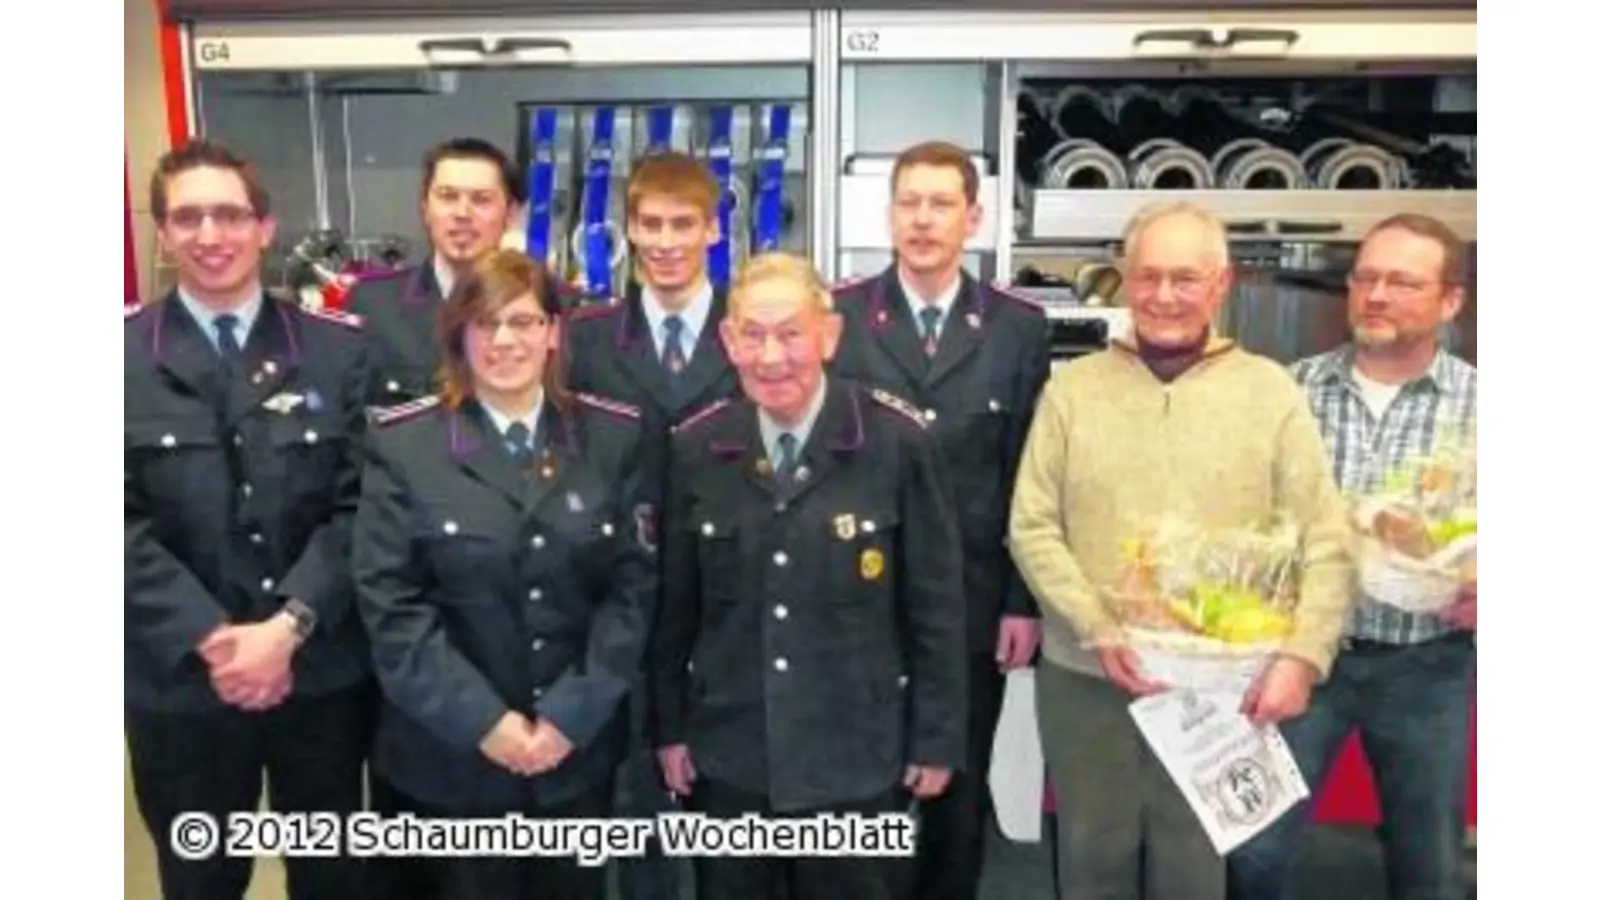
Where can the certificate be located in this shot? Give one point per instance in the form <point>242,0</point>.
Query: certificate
<point>1236,777</point>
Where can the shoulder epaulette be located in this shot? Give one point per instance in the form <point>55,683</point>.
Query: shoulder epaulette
<point>605,404</point>
<point>899,405</point>
<point>1011,293</point>
<point>337,317</point>
<point>594,310</point>
<point>389,415</point>
<point>385,274</point>
<point>705,414</point>
<point>845,284</point>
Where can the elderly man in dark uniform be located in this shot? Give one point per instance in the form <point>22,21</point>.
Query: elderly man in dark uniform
<point>808,655</point>
<point>470,189</point>
<point>973,359</point>
<point>243,418</point>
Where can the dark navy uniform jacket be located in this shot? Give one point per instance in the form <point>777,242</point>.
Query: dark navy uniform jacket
<point>611,352</point>
<point>238,494</point>
<point>811,638</point>
<point>401,309</point>
<point>977,394</point>
<point>487,589</point>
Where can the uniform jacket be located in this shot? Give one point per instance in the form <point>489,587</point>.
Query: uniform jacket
<point>611,352</point>
<point>401,309</point>
<point>977,394</point>
<point>810,643</point>
<point>238,494</point>
<point>486,589</point>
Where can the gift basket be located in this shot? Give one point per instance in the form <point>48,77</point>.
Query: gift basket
<point>1204,609</point>
<point>1418,534</point>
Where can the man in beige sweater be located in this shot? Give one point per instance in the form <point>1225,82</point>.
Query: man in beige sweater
<point>1169,421</point>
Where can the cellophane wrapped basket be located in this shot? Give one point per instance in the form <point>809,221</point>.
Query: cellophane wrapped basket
<point>1205,608</point>
<point>1418,533</point>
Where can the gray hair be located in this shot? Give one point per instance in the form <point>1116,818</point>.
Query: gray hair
<point>1216,232</point>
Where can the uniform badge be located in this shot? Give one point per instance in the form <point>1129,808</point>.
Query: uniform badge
<point>283,403</point>
<point>763,466</point>
<point>871,564</point>
<point>547,467</point>
<point>845,526</point>
<point>644,524</point>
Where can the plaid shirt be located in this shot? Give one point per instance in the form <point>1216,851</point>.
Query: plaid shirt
<point>1443,402</point>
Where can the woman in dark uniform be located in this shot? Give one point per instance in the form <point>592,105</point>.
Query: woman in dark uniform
<point>505,573</point>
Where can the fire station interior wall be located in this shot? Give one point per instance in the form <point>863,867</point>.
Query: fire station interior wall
<point>144,128</point>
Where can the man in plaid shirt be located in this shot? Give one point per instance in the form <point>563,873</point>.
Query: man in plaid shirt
<point>1403,680</point>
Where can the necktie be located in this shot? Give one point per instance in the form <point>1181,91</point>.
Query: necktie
<point>672,349</point>
<point>227,341</point>
<point>519,443</point>
<point>930,328</point>
<point>788,460</point>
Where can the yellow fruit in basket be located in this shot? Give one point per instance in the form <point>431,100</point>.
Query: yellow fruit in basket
<point>1255,625</point>
<point>1220,603</point>
<point>1448,532</point>
<point>1187,614</point>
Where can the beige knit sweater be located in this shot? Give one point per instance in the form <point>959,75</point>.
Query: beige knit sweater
<point>1113,449</point>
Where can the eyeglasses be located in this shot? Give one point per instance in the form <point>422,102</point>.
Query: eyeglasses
<point>520,323</point>
<point>226,216</point>
<point>1187,284</point>
<point>1397,283</point>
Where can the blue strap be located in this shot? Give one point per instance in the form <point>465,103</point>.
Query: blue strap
<point>769,181</point>
<point>596,239</point>
<point>659,125</point>
<point>541,182</point>
<point>719,154</point>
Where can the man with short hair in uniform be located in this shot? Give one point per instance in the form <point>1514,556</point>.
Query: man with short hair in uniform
<point>470,190</point>
<point>657,348</point>
<point>808,654</point>
<point>243,420</point>
<point>973,358</point>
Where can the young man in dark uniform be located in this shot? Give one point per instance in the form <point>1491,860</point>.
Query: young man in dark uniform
<point>808,654</point>
<point>243,420</point>
<point>973,359</point>
<point>470,189</point>
<point>657,348</point>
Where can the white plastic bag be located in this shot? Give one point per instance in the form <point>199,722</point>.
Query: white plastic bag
<point>1016,769</point>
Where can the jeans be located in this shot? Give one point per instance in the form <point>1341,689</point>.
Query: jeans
<point>1412,708</point>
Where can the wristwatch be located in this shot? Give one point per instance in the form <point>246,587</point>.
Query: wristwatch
<point>301,617</point>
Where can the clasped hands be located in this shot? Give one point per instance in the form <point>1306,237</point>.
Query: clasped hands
<point>525,747</point>
<point>250,664</point>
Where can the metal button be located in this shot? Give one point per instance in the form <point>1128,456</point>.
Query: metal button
<point>257,538</point>
<point>311,436</point>
<point>994,405</point>
<point>781,611</point>
<point>450,528</point>
<point>268,584</point>
<point>780,507</point>
<point>247,489</point>
<point>930,414</point>
<point>781,664</point>
<point>904,680</point>
<point>606,529</point>
<point>536,595</point>
<point>393,385</point>
<point>168,440</point>
<point>538,541</point>
<point>708,529</point>
<point>537,693</point>
<point>780,558</point>
<point>868,526</point>
<point>538,643</point>
<point>238,440</point>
